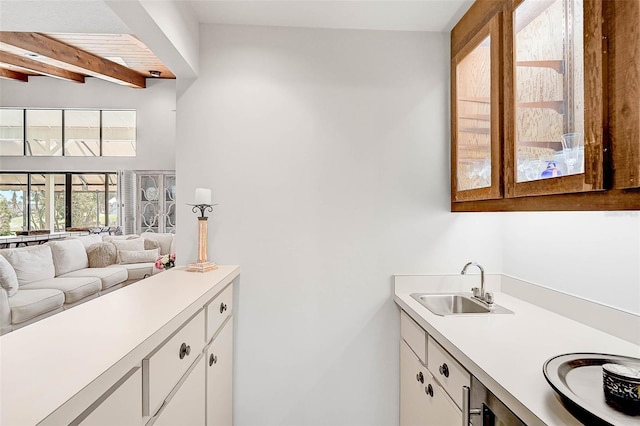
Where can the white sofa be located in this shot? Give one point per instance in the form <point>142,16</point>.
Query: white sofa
<point>39,281</point>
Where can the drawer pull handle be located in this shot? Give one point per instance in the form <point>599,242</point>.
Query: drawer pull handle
<point>212,359</point>
<point>420,377</point>
<point>185,350</point>
<point>429,390</point>
<point>444,370</point>
<point>223,307</point>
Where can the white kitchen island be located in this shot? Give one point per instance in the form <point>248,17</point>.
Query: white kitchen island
<point>153,338</point>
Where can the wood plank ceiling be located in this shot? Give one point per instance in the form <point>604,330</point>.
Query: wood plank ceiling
<point>118,58</point>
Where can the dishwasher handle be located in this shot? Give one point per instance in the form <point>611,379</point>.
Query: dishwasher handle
<point>467,411</point>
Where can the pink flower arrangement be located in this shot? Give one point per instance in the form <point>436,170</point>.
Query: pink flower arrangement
<point>167,261</point>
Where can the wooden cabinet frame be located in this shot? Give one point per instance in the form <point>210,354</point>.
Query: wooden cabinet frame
<point>490,29</point>
<point>612,114</point>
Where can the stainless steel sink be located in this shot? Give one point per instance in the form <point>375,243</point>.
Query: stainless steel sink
<point>457,304</point>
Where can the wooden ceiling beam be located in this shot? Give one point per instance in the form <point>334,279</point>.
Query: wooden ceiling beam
<point>13,75</point>
<point>39,67</point>
<point>56,50</point>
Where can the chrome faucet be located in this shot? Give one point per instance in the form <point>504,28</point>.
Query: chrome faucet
<point>479,293</point>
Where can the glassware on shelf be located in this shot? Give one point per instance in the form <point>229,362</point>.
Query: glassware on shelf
<point>573,151</point>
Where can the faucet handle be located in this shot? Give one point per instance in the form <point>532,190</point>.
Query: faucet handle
<point>488,297</point>
<point>475,291</point>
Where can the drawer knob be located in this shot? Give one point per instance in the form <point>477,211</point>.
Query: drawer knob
<point>420,377</point>
<point>223,307</point>
<point>429,390</point>
<point>185,350</point>
<point>444,370</point>
<point>212,359</point>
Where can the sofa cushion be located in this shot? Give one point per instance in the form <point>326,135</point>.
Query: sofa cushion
<point>68,256</point>
<point>88,240</point>
<point>28,304</point>
<point>164,239</point>
<point>108,276</point>
<point>150,244</point>
<point>33,263</point>
<point>101,255</point>
<point>137,256</point>
<point>133,244</point>
<point>136,271</point>
<point>8,277</point>
<point>74,289</point>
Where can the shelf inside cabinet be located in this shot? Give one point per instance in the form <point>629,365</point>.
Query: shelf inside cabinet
<point>475,130</point>
<point>556,65</point>
<point>478,100</point>
<point>557,106</point>
<point>555,145</point>
<point>480,117</point>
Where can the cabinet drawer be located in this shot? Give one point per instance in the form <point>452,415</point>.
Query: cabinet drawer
<point>218,310</point>
<point>447,371</point>
<point>414,335</point>
<point>163,368</point>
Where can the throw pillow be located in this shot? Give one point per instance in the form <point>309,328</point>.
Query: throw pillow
<point>68,255</point>
<point>136,244</point>
<point>32,263</point>
<point>89,240</point>
<point>118,237</point>
<point>137,256</point>
<point>8,277</point>
<point>151,244</point>
<point>164,239</point>
<point>101,255</point>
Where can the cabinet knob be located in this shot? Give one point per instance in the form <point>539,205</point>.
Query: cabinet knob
<point>185,350</point>
<point>420,377</point>
<point>212,359</point>
<point>223,307</point>
<point>429,390</point>
<point>444,370</point>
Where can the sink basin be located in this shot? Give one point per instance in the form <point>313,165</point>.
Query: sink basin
<point>457,304</point>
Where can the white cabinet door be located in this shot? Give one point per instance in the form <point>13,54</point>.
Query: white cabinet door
<point>219,377</point>
<point>186,406</point>
<point>413,411</point>
<point>423,402</point>
<point>122,405</point>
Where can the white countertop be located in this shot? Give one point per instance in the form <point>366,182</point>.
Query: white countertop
<point>88,347</point>
<point>507,352</point>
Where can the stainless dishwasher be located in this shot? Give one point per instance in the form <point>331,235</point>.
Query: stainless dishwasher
<point>482,408</point>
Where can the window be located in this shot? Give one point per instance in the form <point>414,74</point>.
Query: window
<point>82,133</point>
<point>119,133</point>
<point>72,132</point>
<point>89,198</point>
<point>13,207</point>
<point>44,132</point>
<point>11,132</point>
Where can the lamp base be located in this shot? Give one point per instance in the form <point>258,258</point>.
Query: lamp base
<point>201,267</point>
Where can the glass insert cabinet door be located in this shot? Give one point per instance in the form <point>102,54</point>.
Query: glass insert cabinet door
<point>476,126</point>
<point>156,202</point>
<point>557,104</point>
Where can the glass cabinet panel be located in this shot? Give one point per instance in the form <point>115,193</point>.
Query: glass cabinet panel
<point>474,118</point>
<point>549,89</point>
<point>476,154</point>
<point>156,203</point>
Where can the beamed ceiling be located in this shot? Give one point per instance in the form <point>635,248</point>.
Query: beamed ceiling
<point>118,58</point>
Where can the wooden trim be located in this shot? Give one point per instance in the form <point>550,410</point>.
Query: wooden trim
<point>13,75</point>
<point>39,67</point>
<point>623,121</point>
<point>92,64</point>
<point>613,199</point>
<point>478,15</point>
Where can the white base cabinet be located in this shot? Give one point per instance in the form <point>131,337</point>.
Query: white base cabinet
<point>186,407</point>
<point>423,402</point>
<point>122,405</point>
<point>219,365</point>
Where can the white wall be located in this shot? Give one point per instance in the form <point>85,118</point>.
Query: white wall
<point>156,117</point>
<point>327,151</point>
<point>593,255</point>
